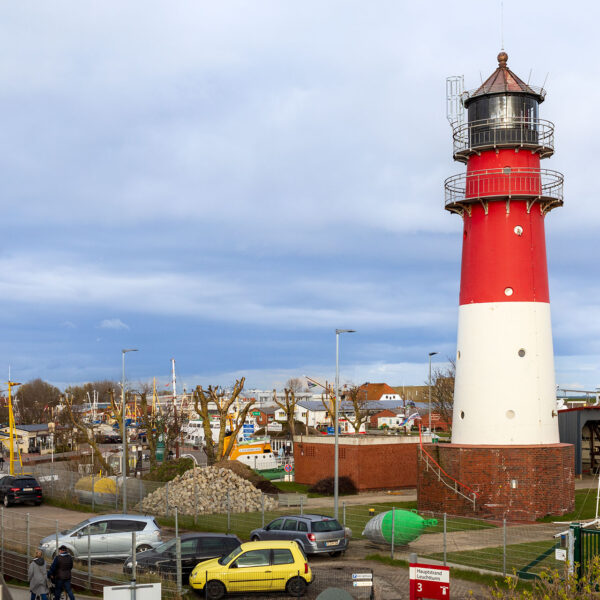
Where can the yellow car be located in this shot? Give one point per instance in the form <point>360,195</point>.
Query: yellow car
<point>254,567</point>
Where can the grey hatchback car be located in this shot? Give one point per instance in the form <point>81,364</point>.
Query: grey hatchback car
<point>315,533</point>
<point>109,537</point>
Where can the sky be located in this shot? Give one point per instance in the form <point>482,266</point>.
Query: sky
<point>226,183</point>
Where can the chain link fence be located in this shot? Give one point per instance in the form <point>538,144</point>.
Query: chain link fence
<point>498,547</point>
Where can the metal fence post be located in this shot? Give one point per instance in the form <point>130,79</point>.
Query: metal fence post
<point>195,500</point>
<point>28,531</point>
<point>504,547</point>
<point>301,504</point>
<point>71,484</point>
<point>344,513</point>
<point>93,485</point>
<point>133,557</point>
<point>141,490</point>
<point>178,554</point>
<point>262,508</point>
<point>56,534</point>
<point>228,514</point>
<point>167,499</point>
<point>445,530</point>
<point>89,559</point>
<point>2,538</point>
<point>393,532</point>
<point>116,494</point>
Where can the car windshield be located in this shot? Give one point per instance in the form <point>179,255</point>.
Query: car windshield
<point>225,559</point>
<point>76,527</point>
<point>166,547</point>
<point>327,525</point>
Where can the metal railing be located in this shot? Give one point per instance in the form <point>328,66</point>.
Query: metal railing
<point>513,132</point>
<point>480,91</point>
<point>535,185</point>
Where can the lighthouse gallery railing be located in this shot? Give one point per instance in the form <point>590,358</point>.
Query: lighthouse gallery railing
<point>512,132</point>
<point>492,184</point>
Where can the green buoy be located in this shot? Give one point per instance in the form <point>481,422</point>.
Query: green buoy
<point>408,526</point>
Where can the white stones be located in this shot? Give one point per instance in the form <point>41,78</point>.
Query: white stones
<point>205,490</point>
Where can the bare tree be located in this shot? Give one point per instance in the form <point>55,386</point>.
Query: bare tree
<point>223,402</point>
<point>288,406</point>
<point>152,426</point>
<point>442,391</point>
<point>295,384</point>
<point>87,433</point>
<point>359,414</point>
<point>328,401</point>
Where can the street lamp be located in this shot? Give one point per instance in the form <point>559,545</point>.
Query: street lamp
<point>430,355</point>
<point>123,432</point>
<point>336,468</point>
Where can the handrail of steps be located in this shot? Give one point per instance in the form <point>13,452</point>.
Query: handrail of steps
<point>453,484</point>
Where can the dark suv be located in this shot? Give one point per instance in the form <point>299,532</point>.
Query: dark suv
<point>195,548</point>
<point>18,489</point>
<point>314,533</point>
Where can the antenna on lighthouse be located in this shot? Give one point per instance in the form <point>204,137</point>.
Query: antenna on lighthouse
<point>174,382</point>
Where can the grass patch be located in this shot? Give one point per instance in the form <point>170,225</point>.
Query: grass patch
<point>464,574</point>
<point>74,505</point>
<point>291,487</point>
<point>585,508</point>
<point>517,557</point>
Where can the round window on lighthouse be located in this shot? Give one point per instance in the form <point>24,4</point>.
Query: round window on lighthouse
<point>518,230</point>
<point>510,414</point>
<point>508,291</point>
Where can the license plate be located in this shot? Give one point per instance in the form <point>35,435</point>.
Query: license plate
<point>28,489</point>
<point>334,543</point>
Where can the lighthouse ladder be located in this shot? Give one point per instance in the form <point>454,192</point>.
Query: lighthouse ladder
<point>469,494</point>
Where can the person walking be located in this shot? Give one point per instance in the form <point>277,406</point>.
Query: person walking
<point>60,572</point>
<point>38,579</point>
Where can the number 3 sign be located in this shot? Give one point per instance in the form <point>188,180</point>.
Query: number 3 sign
<point>430,582</point>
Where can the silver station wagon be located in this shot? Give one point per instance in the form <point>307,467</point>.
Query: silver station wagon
<point>315,533</point>
<point>109,536</point>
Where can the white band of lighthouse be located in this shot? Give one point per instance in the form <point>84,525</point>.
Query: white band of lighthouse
<point>505,392</point>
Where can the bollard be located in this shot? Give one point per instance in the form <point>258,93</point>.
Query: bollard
<point>393,525</point>
<point>228,514</point>
<point>445,530</point>
<point>89,559</point>
<point>93,484</point>
<point>262,508</point>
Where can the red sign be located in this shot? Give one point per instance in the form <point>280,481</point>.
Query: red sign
<point>288,468</point>
<point>430,582</point>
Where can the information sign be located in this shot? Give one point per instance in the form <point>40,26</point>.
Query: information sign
<point>429,581</point>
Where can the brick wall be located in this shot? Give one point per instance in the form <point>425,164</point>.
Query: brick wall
<point>544,478</point>
<point>371,466</point>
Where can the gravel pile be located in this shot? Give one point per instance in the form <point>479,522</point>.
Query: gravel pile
<point>205,490</point>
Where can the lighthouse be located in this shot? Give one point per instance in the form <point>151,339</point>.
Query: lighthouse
<point>505,458</point>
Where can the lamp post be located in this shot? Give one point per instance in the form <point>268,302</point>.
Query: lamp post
<point>123,432</point>
<point>430,355</point>
<point>336,467</point>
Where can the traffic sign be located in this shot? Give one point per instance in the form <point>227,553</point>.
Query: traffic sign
<point>256,413</point>
<point>288,468</point>
<point>429,581</point>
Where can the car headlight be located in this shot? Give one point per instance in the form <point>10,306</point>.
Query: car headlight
<point>129,565</point>
<point>45,545</point>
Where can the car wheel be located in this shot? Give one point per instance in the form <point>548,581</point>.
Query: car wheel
<point>255,538</point>
<point>296,586</point>
<point>37,503</point>
<point>143,548</point>
<point>214,590</point>
<point>336,553</point>
<point>6,501</point>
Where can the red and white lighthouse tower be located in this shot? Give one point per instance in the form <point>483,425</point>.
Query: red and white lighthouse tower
<point>505,457</point>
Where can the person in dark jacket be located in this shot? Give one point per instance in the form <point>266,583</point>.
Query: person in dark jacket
<point>38,582</point>
<point>60,573</point>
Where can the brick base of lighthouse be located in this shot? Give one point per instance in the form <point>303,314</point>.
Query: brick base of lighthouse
<point>519,483</point>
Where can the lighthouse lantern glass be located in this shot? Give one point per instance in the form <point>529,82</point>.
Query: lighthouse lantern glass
<point>503,118</point>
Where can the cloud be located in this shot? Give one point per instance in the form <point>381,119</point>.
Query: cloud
<point>113,324</point>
